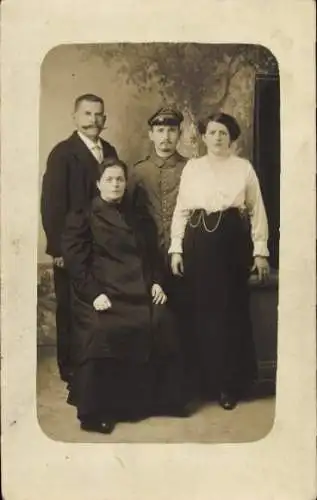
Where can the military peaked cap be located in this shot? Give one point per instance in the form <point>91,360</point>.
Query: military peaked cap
<point>166,116</point>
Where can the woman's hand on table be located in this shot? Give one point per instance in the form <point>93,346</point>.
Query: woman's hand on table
<point>158,294</point>
<point>102,302</point>
<point>262,266</point>
<point>177,264</point>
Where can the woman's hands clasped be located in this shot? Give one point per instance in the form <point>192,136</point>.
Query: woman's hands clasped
<point>102,302</point>
<point>158,294</point>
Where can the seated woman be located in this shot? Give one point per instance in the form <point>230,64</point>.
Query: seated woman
<point>117,309</point>
<point>211,246</point>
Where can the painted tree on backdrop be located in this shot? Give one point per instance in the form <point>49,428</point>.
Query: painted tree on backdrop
<point>198,78</point>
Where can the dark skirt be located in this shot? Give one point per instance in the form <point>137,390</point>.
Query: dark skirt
<point>217,260</point>
<point>124,389</point>
<point>110,389</point>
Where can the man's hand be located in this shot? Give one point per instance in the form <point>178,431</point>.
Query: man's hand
<point>58,261</point>
<point>177,264</point>
<point>101,303</point>
<point>158,294</point>
<point>262,266</point>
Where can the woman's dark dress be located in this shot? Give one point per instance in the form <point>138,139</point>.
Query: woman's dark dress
<point>103,253</point>
<point>216,271</point>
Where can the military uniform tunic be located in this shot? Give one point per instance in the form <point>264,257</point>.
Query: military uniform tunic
<point>154,188</point>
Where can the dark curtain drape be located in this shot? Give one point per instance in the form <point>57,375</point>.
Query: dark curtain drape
<point>266,153</point>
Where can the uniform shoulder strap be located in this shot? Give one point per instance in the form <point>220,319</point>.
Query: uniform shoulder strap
<point>141,161</point>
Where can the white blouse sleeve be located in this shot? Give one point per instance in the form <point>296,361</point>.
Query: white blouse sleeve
<point>258,218</point>
<point>181,212</point>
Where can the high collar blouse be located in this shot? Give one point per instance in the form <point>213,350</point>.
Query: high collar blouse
<point>215,184</point>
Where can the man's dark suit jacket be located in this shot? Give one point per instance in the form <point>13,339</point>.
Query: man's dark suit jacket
<point>69,183</point>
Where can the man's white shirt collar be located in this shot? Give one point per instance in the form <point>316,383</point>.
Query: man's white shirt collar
<point>89,143</point>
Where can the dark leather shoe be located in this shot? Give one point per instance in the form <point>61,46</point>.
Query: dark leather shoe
<point>227,401</point>
<point>104,427</point>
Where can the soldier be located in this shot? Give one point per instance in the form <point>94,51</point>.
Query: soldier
<point>155,180</point>
<point>69,183</point>
<point>154,185</point>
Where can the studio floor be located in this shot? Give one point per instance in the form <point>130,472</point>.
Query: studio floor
<point>250,421</point>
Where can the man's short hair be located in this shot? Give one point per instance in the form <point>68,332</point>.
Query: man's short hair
<point>88,97</point>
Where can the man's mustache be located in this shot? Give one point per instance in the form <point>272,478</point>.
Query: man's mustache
<point>87,127</point>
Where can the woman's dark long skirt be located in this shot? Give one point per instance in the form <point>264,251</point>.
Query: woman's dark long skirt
<point>125,389</point>
<point>110,388</point>
<point>216,270</point>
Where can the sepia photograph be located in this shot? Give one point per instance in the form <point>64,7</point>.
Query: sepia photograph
<point>158,248</point>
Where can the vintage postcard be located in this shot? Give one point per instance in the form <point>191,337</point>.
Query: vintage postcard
<point>158,247</point>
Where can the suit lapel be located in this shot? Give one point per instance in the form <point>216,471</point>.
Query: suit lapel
<point>107,149</point>
<point>85,156</point>
<point>81,151</point>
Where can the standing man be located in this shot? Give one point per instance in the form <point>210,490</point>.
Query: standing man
<point>154,185</point>
<point>69,183</point>
<point>155,180</point>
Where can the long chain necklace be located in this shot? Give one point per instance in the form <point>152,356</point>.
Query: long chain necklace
<point>214,228</point>
<point>202,218</point>
<point>198,220</point>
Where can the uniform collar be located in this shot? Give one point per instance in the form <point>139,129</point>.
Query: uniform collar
<point>170,161</point>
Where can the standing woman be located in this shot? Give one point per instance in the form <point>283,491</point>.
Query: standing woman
<point>116,297</point>
<point>210,245</point>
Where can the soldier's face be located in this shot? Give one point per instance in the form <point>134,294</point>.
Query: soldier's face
<point>112,184</point>
<point>165,138</point>
<point>89,118</point>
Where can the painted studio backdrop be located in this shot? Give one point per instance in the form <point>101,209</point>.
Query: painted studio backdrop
<point>135,80</point>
